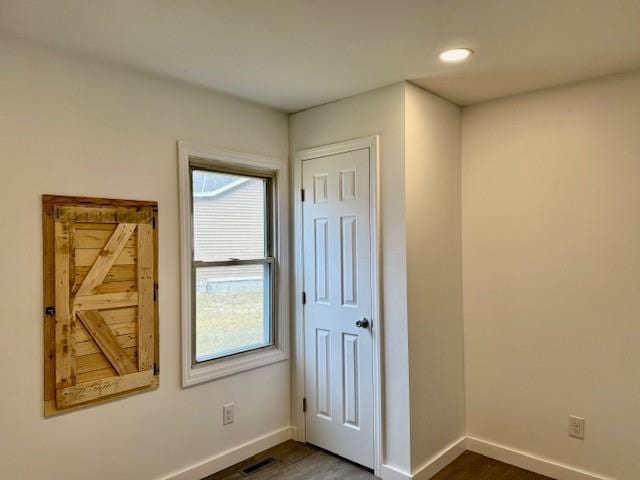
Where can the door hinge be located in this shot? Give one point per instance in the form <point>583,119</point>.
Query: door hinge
<point>50,311</point>
<point>304,298</point>
<point>155,292</point>
<point>156,369</point>
<point>304,404</point>
<point>153,222</point>
<point>302,194</point>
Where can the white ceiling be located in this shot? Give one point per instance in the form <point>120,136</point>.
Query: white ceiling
<point>293,54</point>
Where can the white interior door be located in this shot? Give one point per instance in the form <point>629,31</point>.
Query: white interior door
<point>337,283</point>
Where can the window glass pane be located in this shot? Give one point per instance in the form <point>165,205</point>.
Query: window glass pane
<point>232,310</point>
<point>228,216</point>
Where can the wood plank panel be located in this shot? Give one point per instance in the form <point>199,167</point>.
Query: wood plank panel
<point>86,257</point>
<point>98,238</point>
<point>120,315</point>
<point>110,227</point>
<point>63,325</point>
<point>81,214</point>
<point>124,328</point>
<point>48,237</point>
<point>97,361</point>
<point>146,328</point>
<point>107,258</point>
<point>93,237</point>
<point>116,287</point>
<point>101,388</point>
<point>87,346</point>
<point>96,214</point>
<point>106,341</point>
<point>118,273</point>
<point>95,375</point>
<point>118,329</point>
<point>48,199</point>
<point>105,300</point>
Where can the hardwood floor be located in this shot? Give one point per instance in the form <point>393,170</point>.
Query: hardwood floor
<point>297,461</point>
<point>473,466</point>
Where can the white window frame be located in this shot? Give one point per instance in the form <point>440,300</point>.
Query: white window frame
<point>193,374</point>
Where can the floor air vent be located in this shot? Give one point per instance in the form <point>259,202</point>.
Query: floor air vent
<point>256,467</point>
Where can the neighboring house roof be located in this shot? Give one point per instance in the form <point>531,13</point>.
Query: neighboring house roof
<point>209,184</point>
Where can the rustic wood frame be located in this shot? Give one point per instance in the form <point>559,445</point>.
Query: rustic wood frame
<point>90,321</point>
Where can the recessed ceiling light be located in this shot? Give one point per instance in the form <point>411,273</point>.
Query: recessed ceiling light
<point>455,55</point>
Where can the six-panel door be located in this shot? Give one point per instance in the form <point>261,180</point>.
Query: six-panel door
<point>337,283</point>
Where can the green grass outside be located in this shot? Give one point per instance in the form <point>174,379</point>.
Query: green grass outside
<point>227,320</point>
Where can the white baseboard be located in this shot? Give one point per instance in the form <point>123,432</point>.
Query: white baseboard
<point>529,462</point>
<point>441,460</point>
<point>232,456</point>
<point>489,449</point>
<point>388,472</point>
<point>431,467</point>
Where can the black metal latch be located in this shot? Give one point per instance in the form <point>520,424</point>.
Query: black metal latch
<point>50,311</point>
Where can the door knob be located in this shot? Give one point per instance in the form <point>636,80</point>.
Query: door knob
<point>364,323</point>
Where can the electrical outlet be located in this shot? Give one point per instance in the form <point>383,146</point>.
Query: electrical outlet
<point>576,427</point>
<point>228,413</point>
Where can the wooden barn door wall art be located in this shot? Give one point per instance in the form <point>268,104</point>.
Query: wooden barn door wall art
<point>100,299</point>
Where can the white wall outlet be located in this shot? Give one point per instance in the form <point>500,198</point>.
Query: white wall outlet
<point>576,427</point>
<point>228,413</point>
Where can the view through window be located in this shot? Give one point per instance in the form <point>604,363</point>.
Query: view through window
<point>233,263</point>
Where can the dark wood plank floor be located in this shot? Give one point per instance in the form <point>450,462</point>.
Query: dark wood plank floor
<point>473,466</point>
<point>297,461</point>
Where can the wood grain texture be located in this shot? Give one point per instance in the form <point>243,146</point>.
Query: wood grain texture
<point>63,323</point>
<point>88,346</point>
<point>106,258</point>
<point>472,465</point>
<point>93,375</point>
<point>48,288</point>
<point>86,392</point>
<point>86,257</point>
<point>105,300</point>
<point>91,277</point>
<point>118,273</point>
<point>119,329</point>
<point>97,361</point>
<point>296,461</point>
<point>156,295</point>
<point>146,328</point>
<point>115,287</point>
<point>97,238</point>
<point>110,202</point>
<point>106,342</point>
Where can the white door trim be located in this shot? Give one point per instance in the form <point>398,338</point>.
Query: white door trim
<point>371,143</point>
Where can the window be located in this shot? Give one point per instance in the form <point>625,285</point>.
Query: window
<point>231,307</point>
<point>233,262</point>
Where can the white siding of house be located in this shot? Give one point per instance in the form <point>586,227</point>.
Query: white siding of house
<point>230,225</point>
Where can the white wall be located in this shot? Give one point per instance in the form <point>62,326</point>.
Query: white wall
<point>378,112</point>
<point>550,226</point>
<point>434,273</point>
<point>71,127</point>
<point>422,258</point>
<point>551,242</point>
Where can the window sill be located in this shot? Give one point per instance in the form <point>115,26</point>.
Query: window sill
<point>225,367</point>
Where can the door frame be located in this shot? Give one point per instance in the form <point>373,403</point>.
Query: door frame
<point>298,392</point>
